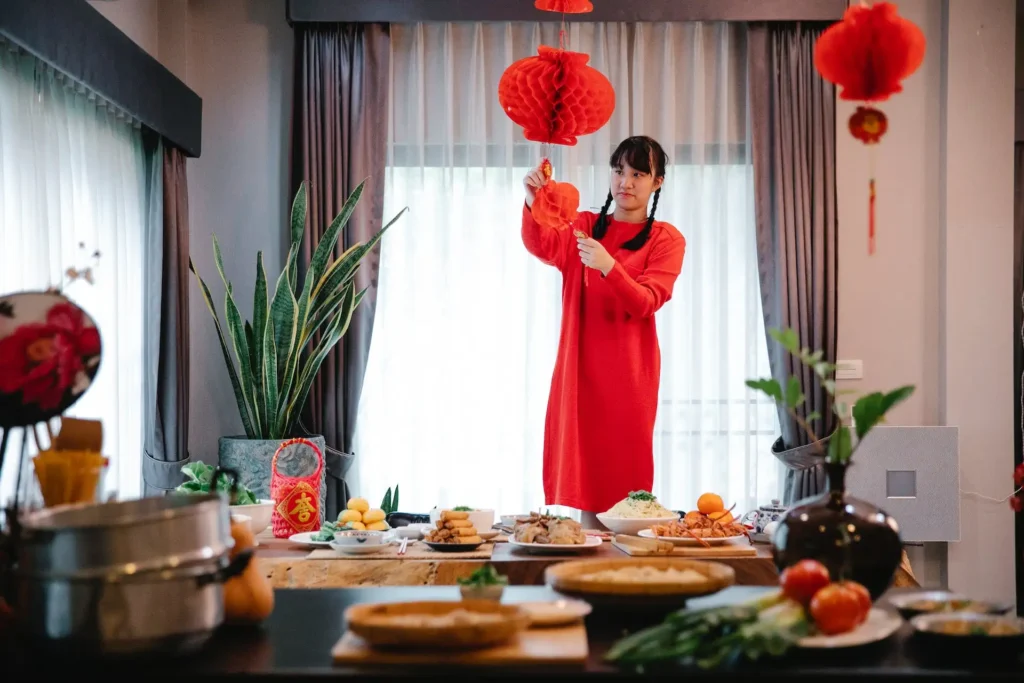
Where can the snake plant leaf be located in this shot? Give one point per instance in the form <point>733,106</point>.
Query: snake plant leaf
<point>268,376</point>
<point>298,227</point>
<point>236,332</point>
<point>232,374</point>
<point>218,260</point>
<point>324,250</point>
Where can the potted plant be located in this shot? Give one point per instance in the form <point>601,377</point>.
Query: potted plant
<point>851,537</point>
<point>273,358</point>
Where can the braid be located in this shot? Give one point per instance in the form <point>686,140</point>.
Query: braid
<point>601,226</point>
<point>645,234</point>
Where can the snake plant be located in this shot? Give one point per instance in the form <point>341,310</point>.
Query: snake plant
<point>277,355</point>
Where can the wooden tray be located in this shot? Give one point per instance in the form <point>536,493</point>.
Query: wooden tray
<point>542,647</point>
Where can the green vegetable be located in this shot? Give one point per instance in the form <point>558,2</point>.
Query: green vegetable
<point>199,474</point>
<point>716,636</point>
<point>644,496</point>
<point>390,504</point>
<point>328,529</point>
<point>485,576</point>
<point>462,508</point>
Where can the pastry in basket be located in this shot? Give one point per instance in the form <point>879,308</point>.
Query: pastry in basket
<point>454,527</point>
<point>549,529</point>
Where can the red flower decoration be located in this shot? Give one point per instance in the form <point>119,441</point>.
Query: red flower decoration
<point>868,125</point>
<point>1018,476</point>
<point>1017,503</point>
<point>556,205</point>
<point>42,360</point>
<point>565,6</point>
<point>555,96</point>
<point>869,52</point>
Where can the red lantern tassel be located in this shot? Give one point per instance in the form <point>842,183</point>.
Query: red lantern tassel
<point>871,216</point>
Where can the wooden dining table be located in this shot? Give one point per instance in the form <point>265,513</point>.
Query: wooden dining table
<point>289,565</point>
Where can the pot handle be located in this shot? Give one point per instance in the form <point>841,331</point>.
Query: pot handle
<point>232,569</point>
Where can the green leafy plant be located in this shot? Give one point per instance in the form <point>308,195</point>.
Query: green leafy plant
<point>485,576</point>
<point>868,411</point>
<point>390,502</point>
<point>277,355</point>
<point>199,476</point>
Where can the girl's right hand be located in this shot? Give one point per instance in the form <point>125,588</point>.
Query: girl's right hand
<point>533,181</point>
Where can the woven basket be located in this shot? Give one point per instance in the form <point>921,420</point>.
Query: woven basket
<point>296,499</point>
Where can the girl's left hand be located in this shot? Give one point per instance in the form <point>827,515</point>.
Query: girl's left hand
<point>593,255</point>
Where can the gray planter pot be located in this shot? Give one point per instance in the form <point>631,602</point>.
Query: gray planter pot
<point>251,458</point>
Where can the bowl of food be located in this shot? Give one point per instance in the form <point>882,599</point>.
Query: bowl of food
<point>360,538</point>
<point>442,625</point>
<point>917,603</point>
<point>636,512</point>
<point>483,584</point>
<point>968,635</point>
<point>259,514</point>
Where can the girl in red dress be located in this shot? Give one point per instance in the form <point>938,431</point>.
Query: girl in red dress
<point>599,429</point>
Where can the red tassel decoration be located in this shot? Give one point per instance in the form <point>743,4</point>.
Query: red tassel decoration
<point>868,55</point>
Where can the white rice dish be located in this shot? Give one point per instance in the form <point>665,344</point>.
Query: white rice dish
<point>630,508</point>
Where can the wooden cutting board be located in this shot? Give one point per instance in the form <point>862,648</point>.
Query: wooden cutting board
<point>533,647</point>
<point>648,547</point>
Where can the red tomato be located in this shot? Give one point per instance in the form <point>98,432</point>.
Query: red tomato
<point>836,609</point>
<point>863,596</point>
<point>802,580</point>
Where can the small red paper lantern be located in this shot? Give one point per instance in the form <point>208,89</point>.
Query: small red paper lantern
<point>868,54</point>
<point>556,205</point>
<point>555,96</point>
<point>565,6</point>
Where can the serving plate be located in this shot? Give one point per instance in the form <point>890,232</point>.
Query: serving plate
<point>689,541</point>
<point>571,578</point>
<point>879,625</point>
<point>591,543</point>
<point>306,539</point>
<point>377,624</point>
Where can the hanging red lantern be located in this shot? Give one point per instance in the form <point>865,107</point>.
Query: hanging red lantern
<point>555,96</point>
<point>868,55</point>
<point>565,6</point>
<point>556,204</point>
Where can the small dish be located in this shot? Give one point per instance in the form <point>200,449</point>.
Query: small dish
<point>492,592</point>
<point>917,603</point>
<point>591,543</point>
<point>962,635</point>
<point>357,549</point>
<point>488,535</point>
<point>686,540</point>
<point>364,539</point>
<point>559,612</point>
<point>631,526</point>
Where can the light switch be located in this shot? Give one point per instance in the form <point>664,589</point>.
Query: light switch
<point>850,369</point>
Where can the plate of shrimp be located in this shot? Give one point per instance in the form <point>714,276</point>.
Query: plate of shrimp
<point>698,529</point>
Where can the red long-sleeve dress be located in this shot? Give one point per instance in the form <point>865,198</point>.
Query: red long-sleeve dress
<point>599,429</point>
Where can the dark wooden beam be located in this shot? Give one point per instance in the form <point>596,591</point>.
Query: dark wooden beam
<point>405,11</point>
<point>78,41</point>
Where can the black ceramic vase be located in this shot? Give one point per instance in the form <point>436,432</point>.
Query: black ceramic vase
<point>853,538</point>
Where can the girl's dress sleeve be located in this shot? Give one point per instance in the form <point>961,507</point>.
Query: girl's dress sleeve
<point>645,295</point>
<point>548,244</point>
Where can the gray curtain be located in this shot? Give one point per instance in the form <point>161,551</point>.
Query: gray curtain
<point>167,440</point>
<point>793,133</point>
<point>342,77</point>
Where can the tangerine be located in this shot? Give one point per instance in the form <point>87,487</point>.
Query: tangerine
<point>723,516</point>
<point>709,503</point>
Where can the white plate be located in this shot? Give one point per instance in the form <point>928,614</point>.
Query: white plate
<point>359,549</point>
<point>306,538</point>
<point>687,540</point>
<point>879,625</point>
<point>591,543</point>
<point>555,613</point>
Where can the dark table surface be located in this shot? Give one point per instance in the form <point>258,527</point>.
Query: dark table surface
<point>296,642</point>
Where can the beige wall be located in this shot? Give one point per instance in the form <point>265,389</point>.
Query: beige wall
<point>933,307</point>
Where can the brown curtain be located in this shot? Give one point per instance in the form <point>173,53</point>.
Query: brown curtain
<point>793,133</point>
<point>342,77</point>
<point>167,447</point>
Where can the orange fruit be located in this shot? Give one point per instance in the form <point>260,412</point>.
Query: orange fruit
<point>709,503</point>
<point>723,516</point>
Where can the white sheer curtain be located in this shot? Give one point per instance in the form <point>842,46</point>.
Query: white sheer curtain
<point>73,180</point>
<point>467,322</point>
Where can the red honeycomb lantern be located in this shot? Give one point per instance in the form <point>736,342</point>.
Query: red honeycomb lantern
<point>565,6</point>
<point>556,205</point>
<point>555,96</point>
<point>868,55</point>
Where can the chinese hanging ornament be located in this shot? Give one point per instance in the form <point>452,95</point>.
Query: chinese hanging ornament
<point>555,204</point>
<point>565,6</point>
<point>296,486</point>
<point>868,55</point>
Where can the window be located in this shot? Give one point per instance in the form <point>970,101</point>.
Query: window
<point>467,321</point>
<point>75,179</point>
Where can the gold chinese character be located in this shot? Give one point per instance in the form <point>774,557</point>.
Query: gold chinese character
<point>302,509</point>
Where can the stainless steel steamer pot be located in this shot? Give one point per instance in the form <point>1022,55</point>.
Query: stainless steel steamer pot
<point>127,577</point>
